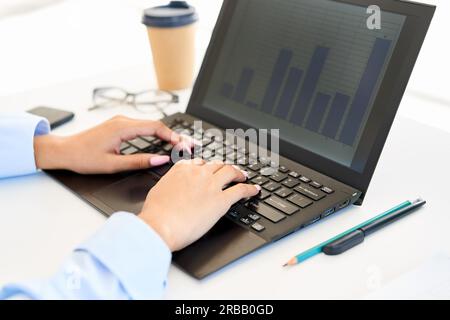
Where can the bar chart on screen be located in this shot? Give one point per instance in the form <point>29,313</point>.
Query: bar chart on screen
<point>310,68</point>
<point>292,92</point>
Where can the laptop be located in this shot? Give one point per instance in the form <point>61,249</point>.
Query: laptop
<point>328,74</point>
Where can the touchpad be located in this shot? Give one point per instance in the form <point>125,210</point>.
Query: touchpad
<point>127,194</point>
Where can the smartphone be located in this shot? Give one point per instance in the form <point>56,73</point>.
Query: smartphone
<point>56,117</point>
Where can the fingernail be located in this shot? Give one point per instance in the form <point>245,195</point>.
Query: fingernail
<point>186,145</point>
<point>175,137</point>
<point>245,173</point>
<point>183,146</point>
<point>190,141</point>
<point>159,160</point>
<point>258,187</point>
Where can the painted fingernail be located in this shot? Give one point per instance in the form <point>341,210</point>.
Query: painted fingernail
<point>190,141</point>
<point>245,173</point>
<point>159,160</point>
<point>182,146</point>
<point>186,146</point>
<point>174,137</point>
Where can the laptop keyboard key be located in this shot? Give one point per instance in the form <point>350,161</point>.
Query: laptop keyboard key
<point>245,220</point>
<point>305,179</point>
<point>267,171</point>
<point>242,150</point>
<point>124,146</point>
<point>255,166</point>
<point>220,152</point>
<point>251,175</point>
<point>205,142</point>
<point>300,200</point>
<point>281,205</point>
<point>290,182</point>
<point>278,176</point>
<point>254,217</point>
<point>327,190</point>
<point>207,154</point>
<point>233,213</point>
<point>263,194</point>
<point>149,138</point>
<point>271,186</point>
<point>215,146</point>
<point>294,174</point>
<point>266,211</point>
<point>310,192</point>
<point>259,180</point>
<point>158,142</point>
<point>264,161</point>
<point>167,147</point>
<point>139,143</point>
<point>258,227</point>
<point>174,127</point>
<point>315,184</point>
<point>231,158</point>
<point>130,150</point>
<point>243,161</point>
<point>283,192</point>
<point>283,169</point>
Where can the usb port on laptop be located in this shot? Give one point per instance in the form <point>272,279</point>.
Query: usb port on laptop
<point>328,212</point>
<point>343,204</point>
<point>312,221</point>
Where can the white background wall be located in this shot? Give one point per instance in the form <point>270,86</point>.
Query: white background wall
<point>76,39</point>
<point>80,38</point>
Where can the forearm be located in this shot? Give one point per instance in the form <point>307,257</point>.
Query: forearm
<point>49,152</point>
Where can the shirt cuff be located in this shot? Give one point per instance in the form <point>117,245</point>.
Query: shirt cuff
<point>134,253</point>
<point>17,141</point>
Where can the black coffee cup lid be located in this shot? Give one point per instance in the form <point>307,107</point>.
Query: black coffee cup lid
<point>175,14</point>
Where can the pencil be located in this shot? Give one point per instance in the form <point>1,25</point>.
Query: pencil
<point>318,249</point>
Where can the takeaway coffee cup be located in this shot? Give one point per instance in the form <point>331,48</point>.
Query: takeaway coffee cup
<point>171,30</point>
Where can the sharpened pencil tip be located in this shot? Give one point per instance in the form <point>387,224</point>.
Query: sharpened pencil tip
<point>291,262</point>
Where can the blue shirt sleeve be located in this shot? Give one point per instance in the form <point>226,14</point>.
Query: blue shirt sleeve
<point>16,140</point>
<point>125,259</point>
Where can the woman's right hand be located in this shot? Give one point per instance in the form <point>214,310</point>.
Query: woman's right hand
<point>190,199</point>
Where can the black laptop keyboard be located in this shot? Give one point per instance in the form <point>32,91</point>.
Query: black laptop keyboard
<point>284,192</point>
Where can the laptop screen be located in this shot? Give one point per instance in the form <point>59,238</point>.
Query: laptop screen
<point>311,68</point>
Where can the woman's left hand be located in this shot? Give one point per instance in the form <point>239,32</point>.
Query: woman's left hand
<point>97,150</point>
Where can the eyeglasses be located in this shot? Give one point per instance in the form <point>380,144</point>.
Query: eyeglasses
<point>145,101</point>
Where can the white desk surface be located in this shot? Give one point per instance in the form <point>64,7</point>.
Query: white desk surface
<point>41,221</point>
